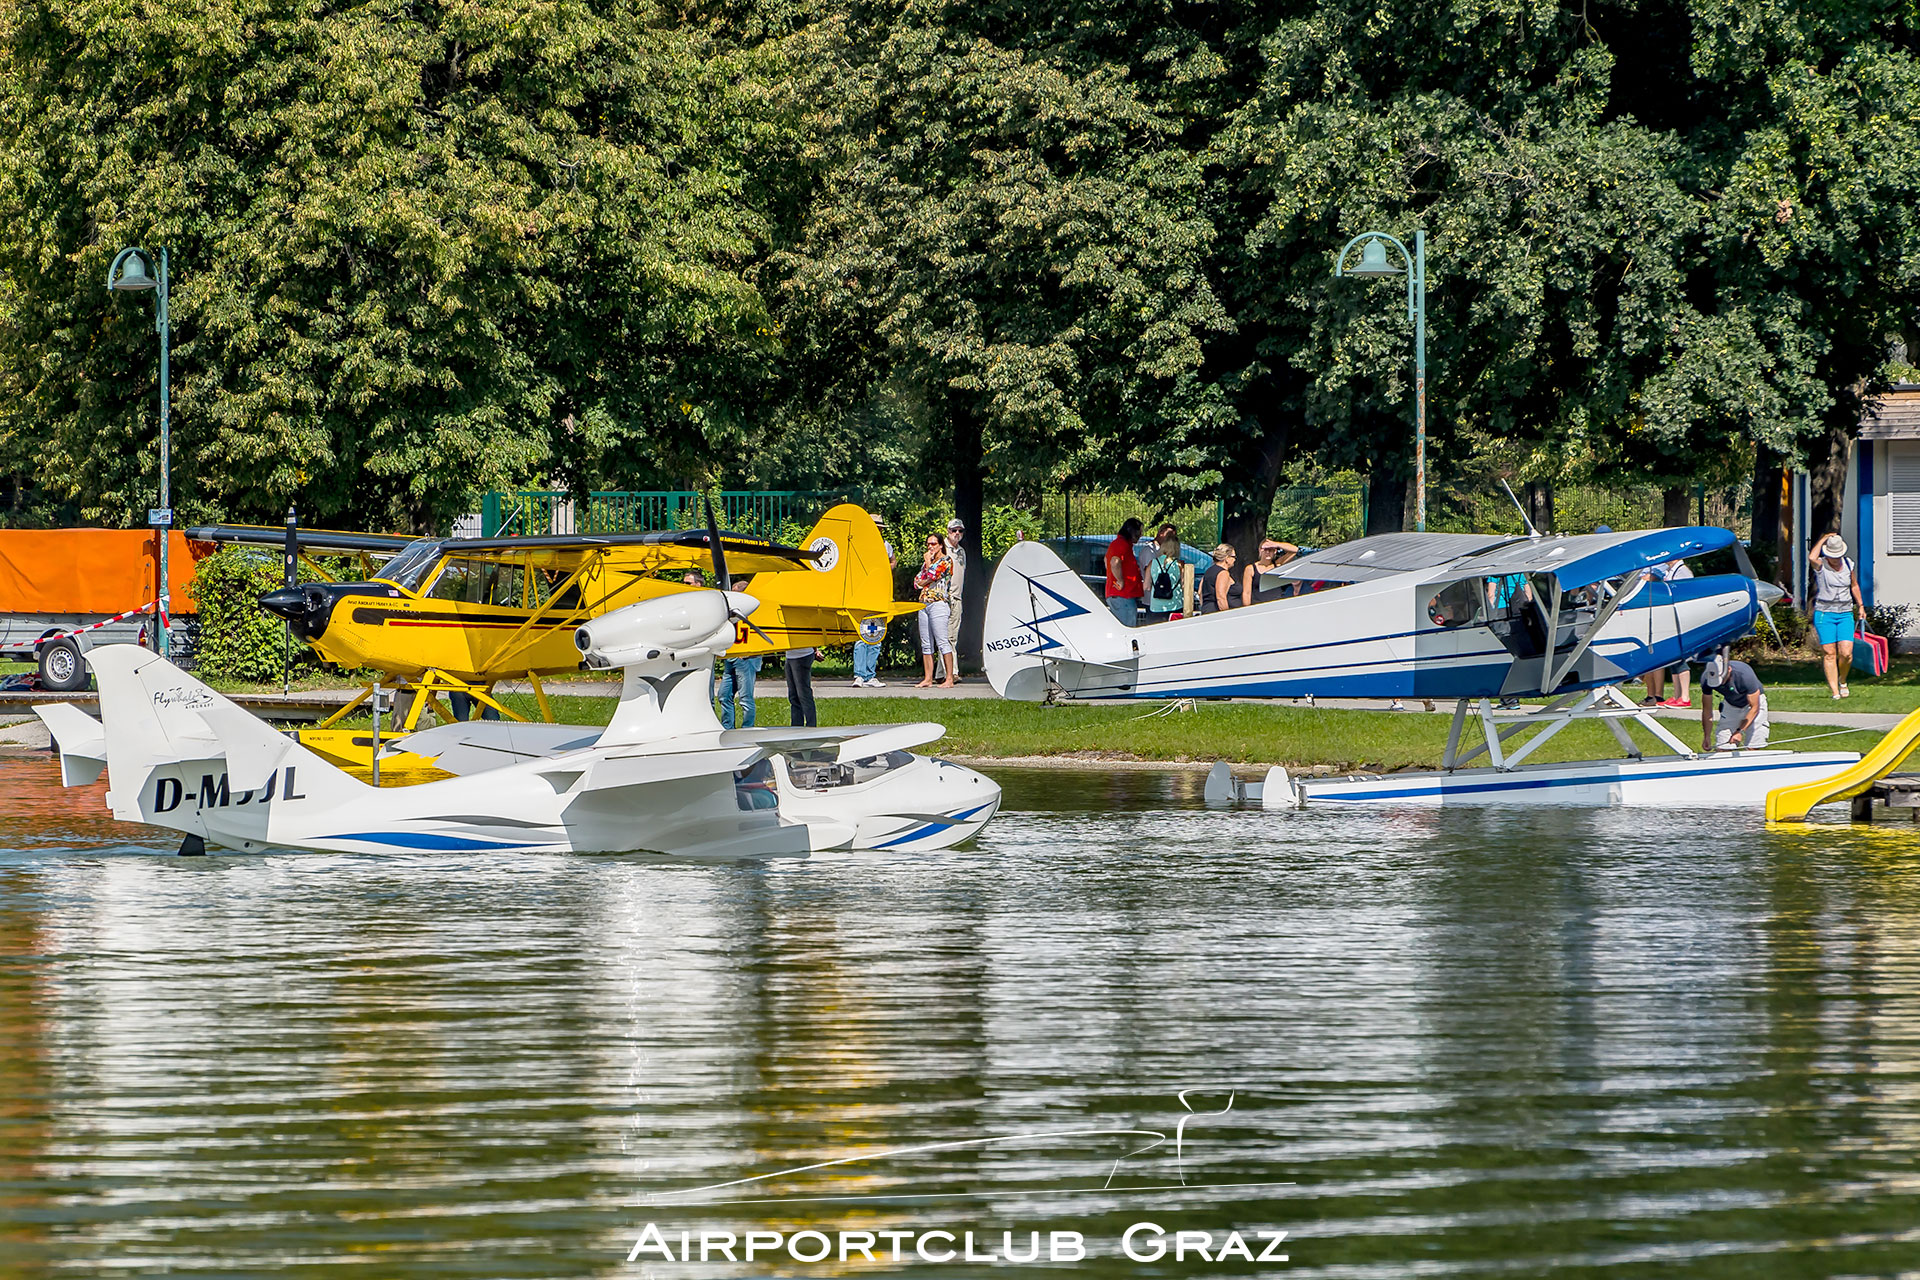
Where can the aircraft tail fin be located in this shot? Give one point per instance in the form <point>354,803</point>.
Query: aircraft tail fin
<point>822,604</point>
<point>1042,617</point>
<point>180,755</point>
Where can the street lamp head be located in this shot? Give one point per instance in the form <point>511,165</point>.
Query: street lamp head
<point>1373,260</point>
<point>133,277</point>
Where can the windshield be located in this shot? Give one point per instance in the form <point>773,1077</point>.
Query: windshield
<point>410,566</point>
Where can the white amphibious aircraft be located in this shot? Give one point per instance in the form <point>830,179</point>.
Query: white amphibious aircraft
<point>1461,616</point>
<point>662,777</point>
<point>1414,615</point>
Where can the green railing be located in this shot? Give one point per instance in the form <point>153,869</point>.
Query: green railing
<point>522,512</point>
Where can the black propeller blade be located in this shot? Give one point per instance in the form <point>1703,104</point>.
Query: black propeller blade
<point>720,569</point>
<point>713,543</point>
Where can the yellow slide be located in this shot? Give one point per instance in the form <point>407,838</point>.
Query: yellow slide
<point>1789,804</point>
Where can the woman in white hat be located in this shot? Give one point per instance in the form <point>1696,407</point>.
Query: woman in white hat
<point>1836,607</point>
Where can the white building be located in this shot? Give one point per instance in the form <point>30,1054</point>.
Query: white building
<point>1883,479</point>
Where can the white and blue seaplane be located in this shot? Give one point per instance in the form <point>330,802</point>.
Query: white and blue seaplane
<point>662,777</point>
<point>1472,618</point>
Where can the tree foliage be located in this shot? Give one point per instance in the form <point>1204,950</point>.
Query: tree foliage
<point>425,249</point>
<point>418,249</point>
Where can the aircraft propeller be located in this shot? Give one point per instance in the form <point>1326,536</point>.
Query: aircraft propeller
<point>1764,592</point>
<point>720,570</point>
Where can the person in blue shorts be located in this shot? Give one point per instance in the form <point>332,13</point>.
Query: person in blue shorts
<point>1837,606</point>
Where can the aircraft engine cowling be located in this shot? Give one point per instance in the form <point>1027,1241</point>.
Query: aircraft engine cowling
<point>689,624</point>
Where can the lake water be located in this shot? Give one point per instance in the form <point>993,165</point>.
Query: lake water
<point>1563,1044</point>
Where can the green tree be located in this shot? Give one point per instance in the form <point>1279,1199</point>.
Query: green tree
<point>418,250</point>
<point>1005,244</point>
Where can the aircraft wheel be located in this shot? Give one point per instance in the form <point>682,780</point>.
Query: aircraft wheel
<point>62,669</point>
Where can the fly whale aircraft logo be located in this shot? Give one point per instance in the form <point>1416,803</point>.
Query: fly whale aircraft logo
<point>217,793</point>
<point>950,1241</point>
<point>188,699</point>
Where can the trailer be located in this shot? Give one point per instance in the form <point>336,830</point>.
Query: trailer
<point>65,591</point>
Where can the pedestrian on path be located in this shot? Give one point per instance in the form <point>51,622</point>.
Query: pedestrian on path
<point>1743,713</point>
<point>1837,607</point>
<point>1656,681</point>
<point>956,588</point>
<point>933,582</point>
<point>800,709</point>
<point>1124,587</point>
<point>866,653</point>
<point>737,677</point>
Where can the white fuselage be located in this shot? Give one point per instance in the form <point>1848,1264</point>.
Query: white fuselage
<point>1390,637</point>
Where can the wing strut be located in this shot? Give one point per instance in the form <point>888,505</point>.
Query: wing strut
<point>1627,588</point>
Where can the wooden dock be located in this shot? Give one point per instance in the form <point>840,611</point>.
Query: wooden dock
<point>1895,791</point>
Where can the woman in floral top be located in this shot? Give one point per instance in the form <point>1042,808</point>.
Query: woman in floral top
<point>935,582</point>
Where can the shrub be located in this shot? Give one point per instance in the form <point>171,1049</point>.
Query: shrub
<point>1890,620</point>
<point>238,639</point>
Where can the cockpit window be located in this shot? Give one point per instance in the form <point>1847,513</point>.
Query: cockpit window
<point>410,566</point>
<point>1458,604</point>
<point>476,581</point>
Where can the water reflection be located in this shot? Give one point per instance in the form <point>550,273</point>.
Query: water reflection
<point>1473,1043</point>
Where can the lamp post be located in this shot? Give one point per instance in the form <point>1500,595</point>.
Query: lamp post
<point>132,272</point>
<point>1374,262</point>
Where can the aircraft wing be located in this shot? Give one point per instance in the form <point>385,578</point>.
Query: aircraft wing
<point>856,741</point>
<point>320,541</point>
<point>660,551</point>
<point>1592,557</point>
<point>1385,554</point>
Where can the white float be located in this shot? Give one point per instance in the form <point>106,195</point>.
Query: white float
<point>1683,780</point>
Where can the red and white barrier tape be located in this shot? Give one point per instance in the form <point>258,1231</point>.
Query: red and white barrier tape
<point>104,622</point>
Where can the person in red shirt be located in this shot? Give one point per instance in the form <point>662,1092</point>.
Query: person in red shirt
<point>1124,588</point>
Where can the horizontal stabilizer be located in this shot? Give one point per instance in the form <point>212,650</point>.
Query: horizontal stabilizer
<point>82,741</point>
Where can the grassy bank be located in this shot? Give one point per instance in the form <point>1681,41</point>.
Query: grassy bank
<point>1244,733</point>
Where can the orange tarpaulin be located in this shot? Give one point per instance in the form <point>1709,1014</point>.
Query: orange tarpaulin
<point>103,571</point>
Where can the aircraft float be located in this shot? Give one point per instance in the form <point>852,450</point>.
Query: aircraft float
<point>458,615</point>
<point>1415,615</point>
<point>662,777</point>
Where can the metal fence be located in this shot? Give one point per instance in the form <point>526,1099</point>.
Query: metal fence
<point>1313,515</point>
<point>524,512</point>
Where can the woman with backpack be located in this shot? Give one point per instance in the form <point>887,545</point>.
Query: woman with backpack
<point>1166,580</point>
<point>1836,608</point>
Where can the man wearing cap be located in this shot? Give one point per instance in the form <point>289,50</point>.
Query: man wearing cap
<point>956,532</point>
<point>1743,713</point>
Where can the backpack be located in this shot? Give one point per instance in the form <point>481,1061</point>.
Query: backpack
<point>1163,580</point>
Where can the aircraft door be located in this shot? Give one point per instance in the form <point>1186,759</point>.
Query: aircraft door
<point>1453,652</point>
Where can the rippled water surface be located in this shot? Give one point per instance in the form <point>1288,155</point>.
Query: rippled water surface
<point>1465,1044</point>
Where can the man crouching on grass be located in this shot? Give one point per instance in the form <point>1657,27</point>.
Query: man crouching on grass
<point>1743,713</point>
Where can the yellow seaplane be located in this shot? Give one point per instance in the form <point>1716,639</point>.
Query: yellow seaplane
<point>445,616</point>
